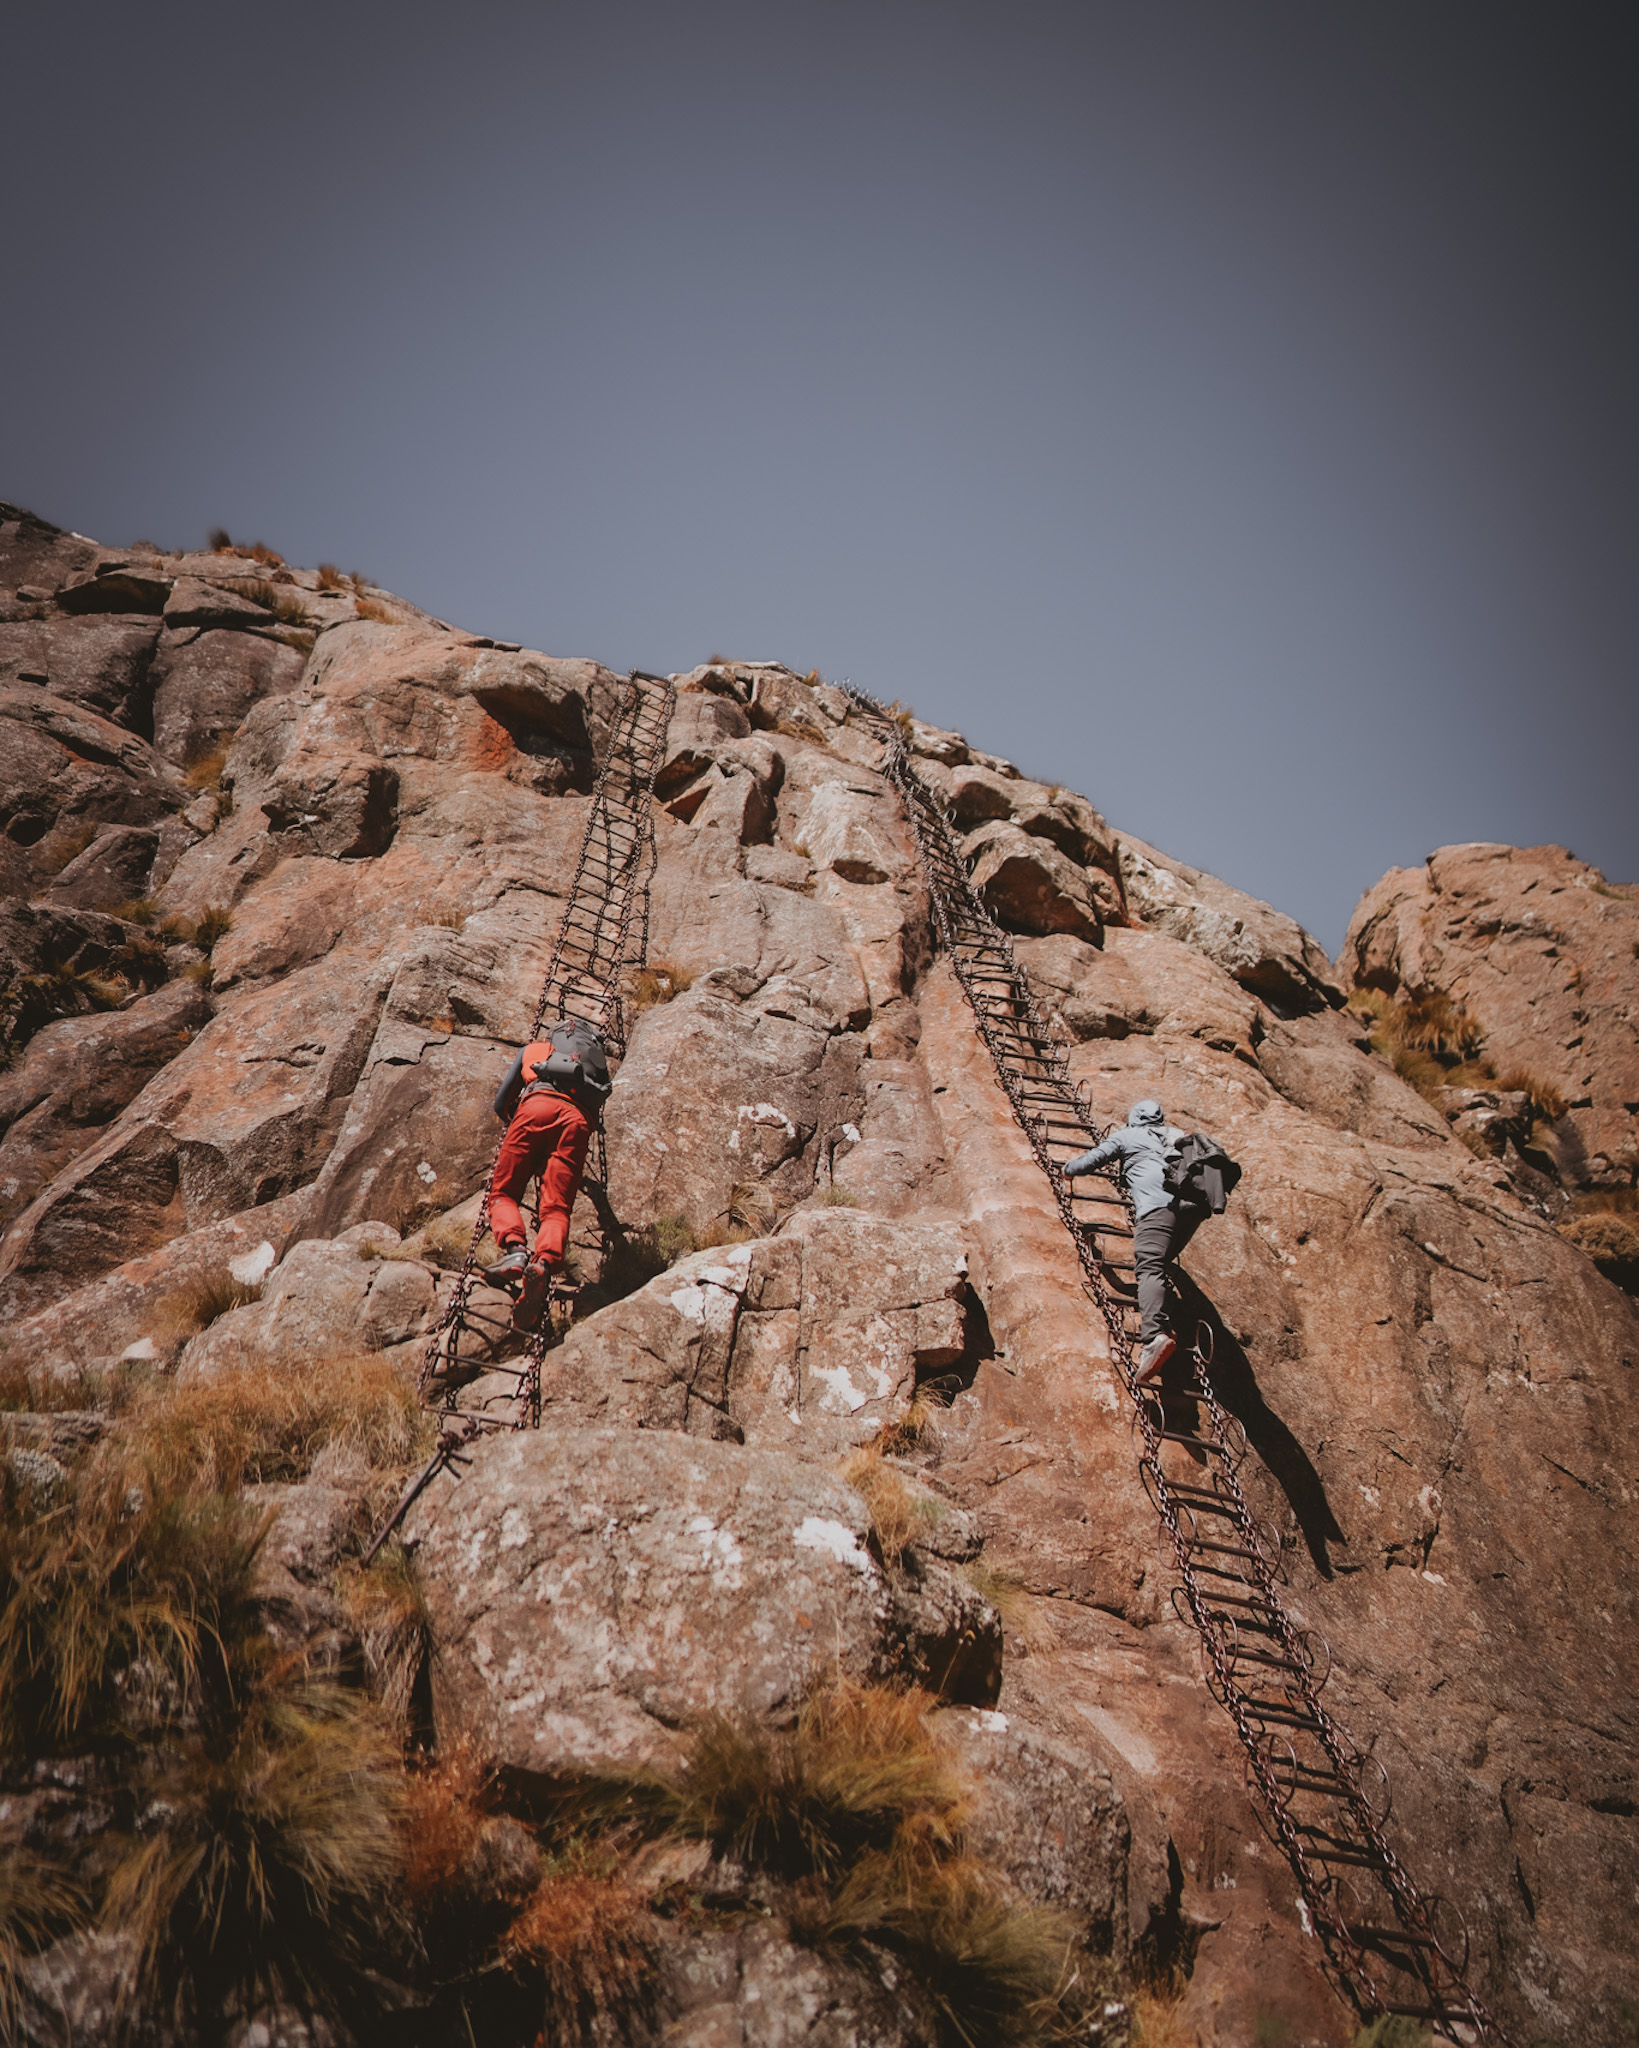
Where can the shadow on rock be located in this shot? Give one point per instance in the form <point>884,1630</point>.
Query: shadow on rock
<point>1268,1435</point>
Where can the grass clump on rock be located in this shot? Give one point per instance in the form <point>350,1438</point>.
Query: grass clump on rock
<point>857,1812</point>
<point>252,1847</point>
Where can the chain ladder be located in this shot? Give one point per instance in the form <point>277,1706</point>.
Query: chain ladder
<point>1391,1949</point>
<point>603,933</point>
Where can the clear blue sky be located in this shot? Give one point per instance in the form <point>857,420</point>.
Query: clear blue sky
<point>1228,409</point>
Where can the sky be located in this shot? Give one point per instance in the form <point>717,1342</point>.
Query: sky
<point>1227,409</point>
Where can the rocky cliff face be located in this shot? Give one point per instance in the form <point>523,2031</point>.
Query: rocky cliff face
<point>283,862</point>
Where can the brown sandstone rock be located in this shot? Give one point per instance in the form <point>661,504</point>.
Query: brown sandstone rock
<point>102,664</point>
<point>1264,950</point>
<point>1028,885</point>
<point>1543,951</point>
<point>204,682</point>
<point>809,1341</point>
<point>77,1075</point>
<point>593,1591</point>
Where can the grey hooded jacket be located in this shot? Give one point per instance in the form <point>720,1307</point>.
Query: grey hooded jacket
<point>1143,1149</point>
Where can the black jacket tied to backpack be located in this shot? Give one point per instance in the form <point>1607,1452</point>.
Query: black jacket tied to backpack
<point>1200,1174</point>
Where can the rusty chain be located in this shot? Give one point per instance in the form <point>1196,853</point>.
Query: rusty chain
<point>1384,1941</point>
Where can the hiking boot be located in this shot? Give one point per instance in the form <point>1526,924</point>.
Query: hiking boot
<point>1155,1355</point>
<point>508,1269</point>
<point>532,1298</point>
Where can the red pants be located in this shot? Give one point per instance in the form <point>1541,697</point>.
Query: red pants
<point>548,1136</point>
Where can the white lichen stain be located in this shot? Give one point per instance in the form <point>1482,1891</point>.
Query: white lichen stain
<point>720,1552</point>
<point>514,1529</point>
<point>815,1532</point>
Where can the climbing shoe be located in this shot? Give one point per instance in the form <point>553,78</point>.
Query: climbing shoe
<point>1155,1355</point>
<point>532,1298</point>
<point>508,1269</point>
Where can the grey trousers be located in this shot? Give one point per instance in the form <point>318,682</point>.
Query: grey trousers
<point>1159,1238</point>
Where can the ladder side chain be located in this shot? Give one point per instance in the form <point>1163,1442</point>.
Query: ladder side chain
<point>603,932</point>
<point>1315,1787</point>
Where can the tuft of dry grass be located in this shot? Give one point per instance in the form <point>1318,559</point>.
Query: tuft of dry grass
<point>38,1902</point>
<point>195,1307</point>
<point>589,1939</point>
<point>1433,1042</point>
<point>30,1001</point>
<point>1157,2024</point>
<point>386,1604</point>
<point>859,1812</point>
<point>859,1771</point>
<point>752,1212</point>
<point>266,1869</point>
<point>253,1423</point>
<point>893,1508</point>
<point>215,923</point>
<point>836,1196</point>
<point>373,608</point>
<point>1611,1240</point>
<point>1547,1102</point>
<point>901,1436</point>
<point>657,983</point>
<point>204,772</point>
<point>330,577</point>
<point>445,1806</point>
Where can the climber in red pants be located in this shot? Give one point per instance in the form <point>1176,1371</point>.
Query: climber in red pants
<point>550,1101</point>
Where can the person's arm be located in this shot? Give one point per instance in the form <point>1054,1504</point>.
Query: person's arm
<point>1097,1159</point>
<point>506,1096</point>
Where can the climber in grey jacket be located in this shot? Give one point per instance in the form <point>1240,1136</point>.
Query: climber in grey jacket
<point>1163,1228</point>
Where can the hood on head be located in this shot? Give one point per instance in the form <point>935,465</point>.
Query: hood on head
<point>1146,1112</point>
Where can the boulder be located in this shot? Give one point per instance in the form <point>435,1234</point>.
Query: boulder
<point>594,1591</point>
<point>88,1327</point>
<point>78,1074</point>
<point>306,1528</point>
<point>1027,885</point>
<point>344,809</point>
<point>1261,948</point>
<point>101,664</point>
<point>204,681</point>
<point>63,772</point>
<point>811,1340</point>
<point>719,1089</point>
<point>1545,953</point>
<point>751,1984</point>
<point>116,586</point>
<point>1048,1817</point>
<point>328,1297</point>
<point>113,869</point>
<point>38,555</point>
<point>196,604</point>
<point>247,1112</point>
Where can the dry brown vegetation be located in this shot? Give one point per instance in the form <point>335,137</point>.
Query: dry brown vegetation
<point>1611,1240</point>
<point>859,1813</point>
<point>1433,1042</point>
<point>256,1423</point>
<point>204,771</point>
<point>372,608</point>
<point>30,1001</point>
<point>656,983</point>
<point>249,1843</point>
<point>895,1510</point>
